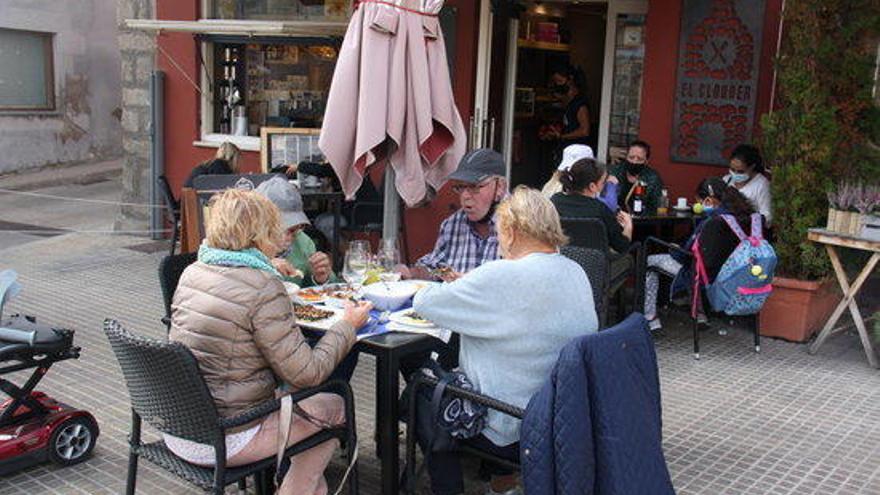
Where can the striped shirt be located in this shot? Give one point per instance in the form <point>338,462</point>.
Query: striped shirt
<point>460,247</point>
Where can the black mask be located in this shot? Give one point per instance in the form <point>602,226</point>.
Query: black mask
<point>634,168</point>
<point>559,89</point>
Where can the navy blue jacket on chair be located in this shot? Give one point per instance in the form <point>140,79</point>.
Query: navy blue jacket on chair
<point>595,425</point>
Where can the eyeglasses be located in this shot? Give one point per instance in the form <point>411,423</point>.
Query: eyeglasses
<point>470,188</point>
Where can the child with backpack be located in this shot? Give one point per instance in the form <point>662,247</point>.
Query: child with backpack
<point>714,241</point>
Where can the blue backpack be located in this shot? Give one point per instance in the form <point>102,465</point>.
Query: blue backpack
<point>745,279</point>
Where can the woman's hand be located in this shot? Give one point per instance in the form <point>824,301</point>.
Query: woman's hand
<point>291,170</point>
<point>321,269</point>
<point>357,314</point>
<point>612,179</point>
<point>285,268</point>
<point>626,221</point>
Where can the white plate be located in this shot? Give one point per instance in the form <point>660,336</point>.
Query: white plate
<point>686,208</point>
<point>324,324</point>
<point>400,317</point>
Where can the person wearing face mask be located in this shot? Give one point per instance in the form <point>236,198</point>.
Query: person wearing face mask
<point>566,84</point>
<point>468,238</point>
<point>508,349</point>
<point>717,242</point>
<point>570,155</point>
<point>636,169</point>
<point>747,175</point>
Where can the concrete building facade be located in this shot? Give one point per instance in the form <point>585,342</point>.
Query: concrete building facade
<point>78,116</point>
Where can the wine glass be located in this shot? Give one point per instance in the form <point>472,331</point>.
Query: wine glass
<point>354,269</point>
<point>387,260</point>
<point>359,245</point>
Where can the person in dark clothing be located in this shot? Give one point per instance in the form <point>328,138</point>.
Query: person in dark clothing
<point>581,186</point>
<point>225,162</point>
<point>717,242</point>
<point>634,170</point>
<point>567,84</point>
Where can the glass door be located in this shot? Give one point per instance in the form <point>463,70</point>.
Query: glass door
<point>622,81</point>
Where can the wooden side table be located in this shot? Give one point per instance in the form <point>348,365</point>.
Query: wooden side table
<point>833,240</point>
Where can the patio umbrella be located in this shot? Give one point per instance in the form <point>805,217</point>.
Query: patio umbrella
<point>391,101</point>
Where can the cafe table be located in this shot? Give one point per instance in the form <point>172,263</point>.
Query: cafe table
<point>388,348</point>
<point>833,241</point>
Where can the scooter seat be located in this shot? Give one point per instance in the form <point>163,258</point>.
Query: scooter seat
<point>31,339</point>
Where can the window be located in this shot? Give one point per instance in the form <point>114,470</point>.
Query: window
<point>26,75</point>
<point>270,83</point>
<point>626,95</point>
<point>325,10</point>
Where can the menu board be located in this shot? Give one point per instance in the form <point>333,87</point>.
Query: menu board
<point>281,146</point>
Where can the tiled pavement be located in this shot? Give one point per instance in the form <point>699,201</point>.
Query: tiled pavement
<point>778,422</point>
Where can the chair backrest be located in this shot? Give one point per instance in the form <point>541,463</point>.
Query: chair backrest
<point>172,205</point>
<point>586,233</point>
<point>595,264</point>
<point>170,269</point>
<point>165,385</point>
<point>210,184</point>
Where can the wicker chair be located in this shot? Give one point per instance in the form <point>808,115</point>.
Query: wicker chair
<point>595,264</point>
<point>172,209</point>
<point>170,269</point>
<point>590,233</point>
<point>420,379</point>
<point>167,390</point>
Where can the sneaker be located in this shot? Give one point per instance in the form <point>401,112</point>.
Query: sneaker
<point>702,319</point>
<point>654,324</point>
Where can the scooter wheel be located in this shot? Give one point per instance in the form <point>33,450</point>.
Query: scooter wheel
<point>73,441</point>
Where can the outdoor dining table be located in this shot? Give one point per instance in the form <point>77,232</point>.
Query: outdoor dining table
<point>832,241</point>
<point>664,224</point>
<point>388,347</point>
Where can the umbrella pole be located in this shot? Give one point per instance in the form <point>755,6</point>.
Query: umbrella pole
<point>390,206</point>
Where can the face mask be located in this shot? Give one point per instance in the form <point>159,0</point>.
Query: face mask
<point>634,168</point>
<point>559,89</point>
<point>707,208</point>
<point>738,178</point>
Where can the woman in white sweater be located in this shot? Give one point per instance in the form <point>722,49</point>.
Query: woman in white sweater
<point>514,315</point>
<point>747,176</point>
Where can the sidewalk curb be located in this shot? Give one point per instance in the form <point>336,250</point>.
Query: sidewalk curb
<point>80,174</point>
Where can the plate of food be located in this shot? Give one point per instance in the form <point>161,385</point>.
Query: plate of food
<point>411,318</point>
<point>339,294</point>
<point>311,295</point>
<point>316,317</point>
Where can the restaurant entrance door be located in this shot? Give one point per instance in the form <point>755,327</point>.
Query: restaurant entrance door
<point>516,111</point>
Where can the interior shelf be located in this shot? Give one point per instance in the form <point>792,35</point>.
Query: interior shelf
<point>542,45</point>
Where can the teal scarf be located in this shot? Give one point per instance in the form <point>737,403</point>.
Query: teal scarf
<point>250,257</point>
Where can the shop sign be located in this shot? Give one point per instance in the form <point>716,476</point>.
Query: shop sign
<point>717,80</point>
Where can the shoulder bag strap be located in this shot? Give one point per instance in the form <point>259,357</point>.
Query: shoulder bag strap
<point>734,226</point>
<point>757,228</point>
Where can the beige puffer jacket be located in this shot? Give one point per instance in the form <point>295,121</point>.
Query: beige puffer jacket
<point>239,324</point>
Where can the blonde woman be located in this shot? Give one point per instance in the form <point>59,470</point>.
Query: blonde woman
<point>231,307</point>
<point>514,315</point>
<point>227,160</point>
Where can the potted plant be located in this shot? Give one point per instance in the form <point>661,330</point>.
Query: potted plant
<point>868,205</point>
<point>817,132</point>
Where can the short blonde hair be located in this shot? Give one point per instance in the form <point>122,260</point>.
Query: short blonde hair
<point>230,153</point>
<point>240,219</point>
<point>529,212</point>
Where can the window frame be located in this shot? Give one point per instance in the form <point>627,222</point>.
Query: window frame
<point>49,79</point>
<point>207,137</point>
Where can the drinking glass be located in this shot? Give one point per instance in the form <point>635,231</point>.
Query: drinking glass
<point>387,260</point>
<point>354,269</point>
<point>359,245</point>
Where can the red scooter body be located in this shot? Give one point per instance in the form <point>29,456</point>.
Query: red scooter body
<point>26,442</point>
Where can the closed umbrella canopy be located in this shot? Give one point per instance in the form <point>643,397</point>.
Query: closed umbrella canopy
<point>391,100</point>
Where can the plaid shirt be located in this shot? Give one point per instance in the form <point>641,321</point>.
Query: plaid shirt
<point>460,247</point>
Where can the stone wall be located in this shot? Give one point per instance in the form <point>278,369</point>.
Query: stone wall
<point>138,54</point>
<point>84,124</point>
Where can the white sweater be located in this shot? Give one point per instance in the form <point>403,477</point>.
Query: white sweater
<point>514,316</point>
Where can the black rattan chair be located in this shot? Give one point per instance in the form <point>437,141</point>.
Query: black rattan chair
<point>595,264</point>
<point>419,380</point>
<point>172,209</point>
<point>590,233</point>
<point>170,269</point>
<point>167,390</point>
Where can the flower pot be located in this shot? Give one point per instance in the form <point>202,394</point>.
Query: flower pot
<point>797,309</point>
<point>869,227</point>
<point>832,219</point>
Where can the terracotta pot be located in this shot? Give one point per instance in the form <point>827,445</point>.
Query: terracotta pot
<point>796,309</point>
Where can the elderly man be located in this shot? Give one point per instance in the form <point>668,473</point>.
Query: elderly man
<point>467,239</point>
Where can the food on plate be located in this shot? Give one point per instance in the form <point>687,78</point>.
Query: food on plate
<point>412,315</point>
<point>311,295</point>
<point>311,313</point>
<point>442,271</point>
